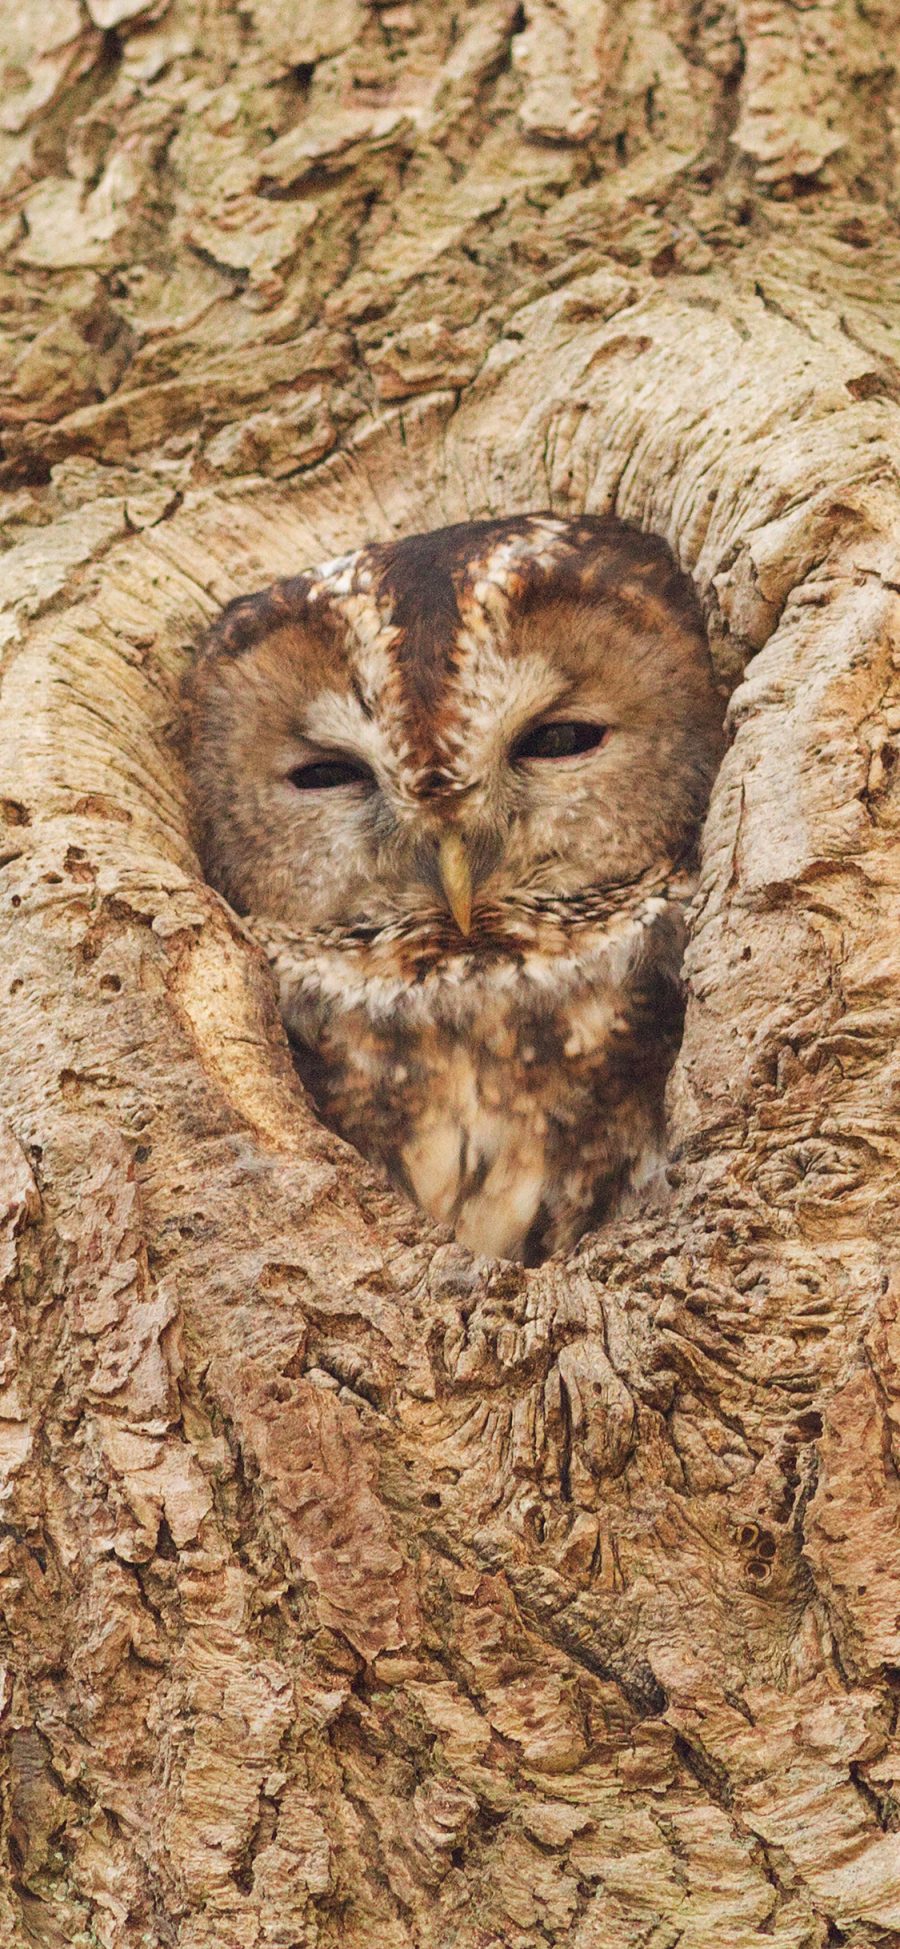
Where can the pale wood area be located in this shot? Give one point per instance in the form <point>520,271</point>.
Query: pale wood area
<point>354,1595</point>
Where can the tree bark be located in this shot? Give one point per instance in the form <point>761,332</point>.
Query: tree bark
<point>355,1593</point>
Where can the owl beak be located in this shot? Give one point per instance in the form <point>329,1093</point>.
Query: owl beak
<point>456,879</point>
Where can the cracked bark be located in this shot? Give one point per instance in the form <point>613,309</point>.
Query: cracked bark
<point>353,1594</point>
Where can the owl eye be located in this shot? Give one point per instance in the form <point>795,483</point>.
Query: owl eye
<point>559,740</point>
<point>328,772</point>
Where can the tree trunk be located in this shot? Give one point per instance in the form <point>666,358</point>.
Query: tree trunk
<point>356,1594</point>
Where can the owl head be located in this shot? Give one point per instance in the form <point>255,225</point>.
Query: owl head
<point>455,729</point>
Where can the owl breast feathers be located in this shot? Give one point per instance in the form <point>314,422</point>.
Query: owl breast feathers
<point>455,782</point>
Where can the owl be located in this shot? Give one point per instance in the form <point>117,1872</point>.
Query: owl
<point>454,782</point>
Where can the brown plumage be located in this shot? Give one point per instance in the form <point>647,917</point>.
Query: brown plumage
<point>455,782</point>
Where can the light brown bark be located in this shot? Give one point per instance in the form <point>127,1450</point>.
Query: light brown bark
<point>354,1594</point>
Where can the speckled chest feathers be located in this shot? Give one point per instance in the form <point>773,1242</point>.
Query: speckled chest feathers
<point>455,784</point>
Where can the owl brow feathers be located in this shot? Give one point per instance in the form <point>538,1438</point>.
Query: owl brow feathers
<point>421,578</point>
<point>424,597</point>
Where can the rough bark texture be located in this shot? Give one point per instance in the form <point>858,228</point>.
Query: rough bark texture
<point>352,1594</point>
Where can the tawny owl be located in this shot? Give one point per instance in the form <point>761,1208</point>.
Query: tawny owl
<point>455,782</point>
